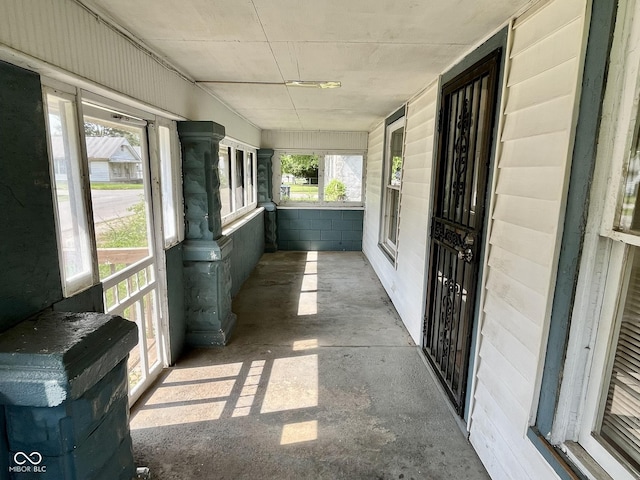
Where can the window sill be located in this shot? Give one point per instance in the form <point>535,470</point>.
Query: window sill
<point>584,461</point>
<point>318,206</point>
<point>388,253</point>
<point>557,460</point>
<point>598,460</point>
<point>238,223</point>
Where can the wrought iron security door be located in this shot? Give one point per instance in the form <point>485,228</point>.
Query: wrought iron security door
<point>465,133</point>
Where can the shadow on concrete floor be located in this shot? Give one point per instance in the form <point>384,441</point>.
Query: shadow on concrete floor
<point>320,381</point>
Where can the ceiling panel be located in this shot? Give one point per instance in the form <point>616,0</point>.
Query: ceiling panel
<point>212,20</point>
<point>273,119</point>
<point>379,69</point>
<point>223,61</point>
<point>339,120</point>
<point>383,51</point>
<point>252,96</point>
<point>390,21</point>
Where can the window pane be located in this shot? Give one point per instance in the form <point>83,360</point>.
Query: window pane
<point>395,154</point>
<point>250,182</point>
<point>629,216</point>
<point>120,210</point>
<point>166,184</point>
<point>343,178</point>
<point>391,226</point>
<point>73,234</point>
<point>299,178</point>
<point>621,419</point>
<point>239,179</point>
<point>224,170</point>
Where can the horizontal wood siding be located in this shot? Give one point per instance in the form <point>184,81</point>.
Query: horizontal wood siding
<point>415,207</point>
<point>543,75</point>
<point>321,141</point>
<point>405,283</point>
<point>73,40</point>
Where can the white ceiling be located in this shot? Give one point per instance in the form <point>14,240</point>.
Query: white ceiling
<point>383,51</point>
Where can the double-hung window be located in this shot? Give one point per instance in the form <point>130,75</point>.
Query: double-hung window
<point>237,172</point>
<point>392,179</point>
<point>331,178</point>
<point>609,430</point>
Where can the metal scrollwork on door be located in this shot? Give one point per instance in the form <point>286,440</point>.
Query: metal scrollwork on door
<point>450,291</point>
<point>460,241</point>
<point>461,150</point>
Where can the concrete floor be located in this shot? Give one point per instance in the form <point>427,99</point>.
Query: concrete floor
<point>320,381</point>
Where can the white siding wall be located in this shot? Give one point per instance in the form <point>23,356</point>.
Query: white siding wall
<point>72,40</point>
<point>373,186</point>
<point>543,76</point>
<point>404,284</point>
<point>305,140</point>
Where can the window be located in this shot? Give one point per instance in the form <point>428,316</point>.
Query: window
<point>240,180</point>
<point>170,185</point>
<point>74,236</point>
<point>620,424</point>
<point>611,433</point>
<point>224,171</point>
<point>331,178</point>
<point>251,186</point>
<point>392,178</point>
<point>237,171</point>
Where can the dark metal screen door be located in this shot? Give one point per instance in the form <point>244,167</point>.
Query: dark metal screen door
<point>464,146</point>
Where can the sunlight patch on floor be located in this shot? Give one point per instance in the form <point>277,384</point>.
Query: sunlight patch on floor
<point>249,390</point>
<point>308,344</point>
<point>299,432</point>
<point>203,373</point>
<point>178,414</point>
<point>189,392</point>
<point>308,299</point>
<point>293,384</point>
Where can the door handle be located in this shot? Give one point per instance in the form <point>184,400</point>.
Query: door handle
<point>465,254</point>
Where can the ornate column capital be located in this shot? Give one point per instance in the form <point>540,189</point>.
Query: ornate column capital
<point>203,129</point>
<point>201,182</point>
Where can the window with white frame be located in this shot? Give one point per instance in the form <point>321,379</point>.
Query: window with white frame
<point>237,171</point>
<point>610,429</point>
<point>392,178</point>
<point>170,185</point>
<point>321,178</point>
<point>69,186</point>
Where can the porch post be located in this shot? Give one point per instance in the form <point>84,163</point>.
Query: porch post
<point>206,252</point>
<point>265,189</point>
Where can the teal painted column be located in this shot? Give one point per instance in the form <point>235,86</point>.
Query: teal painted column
<point>265,189</point>
<point>64,396</point>
<point>206,252</point>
